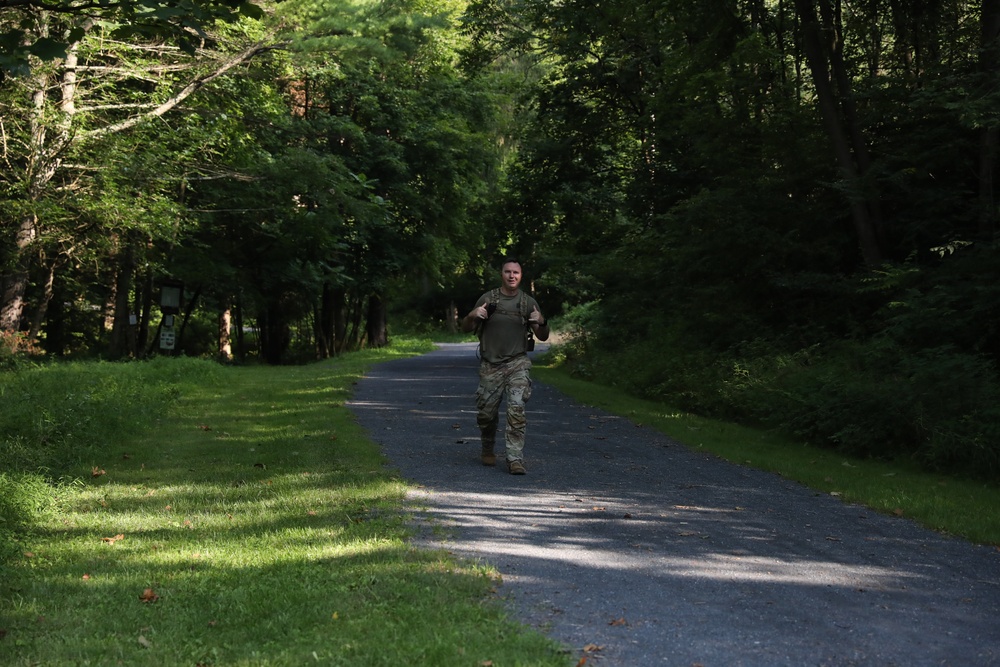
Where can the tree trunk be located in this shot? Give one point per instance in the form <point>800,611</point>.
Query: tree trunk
<point>145,309</point>
<point>44,160</point>
<point>225,335</point>
<point>820,63</point>
<point>16,282</point>
<point>989,60</point>
<point>376,329</point>
<point>274,335</point>
<point>189,306</point>
<point>55,323</point>
<point>241,349</point>
<point>43,306</point>
<point>122,343</point>
<point>340,319</point>
<point>326,337</point>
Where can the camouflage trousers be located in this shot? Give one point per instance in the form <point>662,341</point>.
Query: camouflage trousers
<point>510,380</point>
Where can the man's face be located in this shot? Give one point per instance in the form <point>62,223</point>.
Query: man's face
<point>511,275</point>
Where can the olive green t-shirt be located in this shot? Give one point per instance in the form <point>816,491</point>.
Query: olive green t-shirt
<point>504,334</point>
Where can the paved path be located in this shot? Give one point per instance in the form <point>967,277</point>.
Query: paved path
<point>621,538</point>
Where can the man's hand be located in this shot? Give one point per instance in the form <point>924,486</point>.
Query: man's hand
<point>536,317</point>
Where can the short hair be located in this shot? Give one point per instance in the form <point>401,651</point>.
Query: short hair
<point>511,259</point>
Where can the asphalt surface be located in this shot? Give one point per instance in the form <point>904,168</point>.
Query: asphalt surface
<point>633,549</point>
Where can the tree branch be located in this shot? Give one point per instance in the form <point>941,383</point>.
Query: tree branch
<point>186,92</point>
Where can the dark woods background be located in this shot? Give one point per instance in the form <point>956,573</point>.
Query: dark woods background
<point>776,211</point>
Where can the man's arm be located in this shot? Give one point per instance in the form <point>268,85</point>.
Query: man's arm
<point>538,324</point>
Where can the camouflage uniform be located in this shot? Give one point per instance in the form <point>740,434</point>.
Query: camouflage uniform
<point>508,379</point>
<point>504,370</point>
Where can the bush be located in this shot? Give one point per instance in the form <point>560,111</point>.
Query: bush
<point>938,406</point>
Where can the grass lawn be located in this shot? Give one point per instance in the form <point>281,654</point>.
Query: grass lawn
<point>252,524</point>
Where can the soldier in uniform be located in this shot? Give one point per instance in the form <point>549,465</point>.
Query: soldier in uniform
<point>506,320</point>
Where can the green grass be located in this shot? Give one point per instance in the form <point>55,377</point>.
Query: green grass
<point>952,505</point>
<point>251,524</point>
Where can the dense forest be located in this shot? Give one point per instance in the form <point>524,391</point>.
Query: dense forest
<point>781,212</point>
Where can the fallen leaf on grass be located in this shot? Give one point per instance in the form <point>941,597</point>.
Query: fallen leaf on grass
<point>145,643</point>
<point>97,472</point>
<point>203,427</point>
<point>898,511</point>
<point>112,540</point>
<point>149,596</point>
<point>86,577</point>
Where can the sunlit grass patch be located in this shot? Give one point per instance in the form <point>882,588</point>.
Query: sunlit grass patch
<point>253,523</point>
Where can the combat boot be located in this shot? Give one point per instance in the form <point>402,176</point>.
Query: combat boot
<point>488,457</point>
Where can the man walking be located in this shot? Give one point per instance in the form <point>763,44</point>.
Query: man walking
<point>505,319</point>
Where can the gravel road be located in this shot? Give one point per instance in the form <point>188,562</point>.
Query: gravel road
<point>635,550</point>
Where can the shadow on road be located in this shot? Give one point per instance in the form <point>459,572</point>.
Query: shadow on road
<point>621,538</point>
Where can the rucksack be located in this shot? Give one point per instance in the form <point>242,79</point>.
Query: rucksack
<point>522,308</point>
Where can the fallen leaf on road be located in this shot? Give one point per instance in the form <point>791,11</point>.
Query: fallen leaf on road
<point>618,621</point>
<point>592,648</point>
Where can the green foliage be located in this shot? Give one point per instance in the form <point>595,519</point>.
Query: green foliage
<point>676,177</point>
<point>55,417</point>
<point>182,21</point>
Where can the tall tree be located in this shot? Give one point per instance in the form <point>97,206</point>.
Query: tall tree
<point>823,41</point>
<point>101,88</point>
